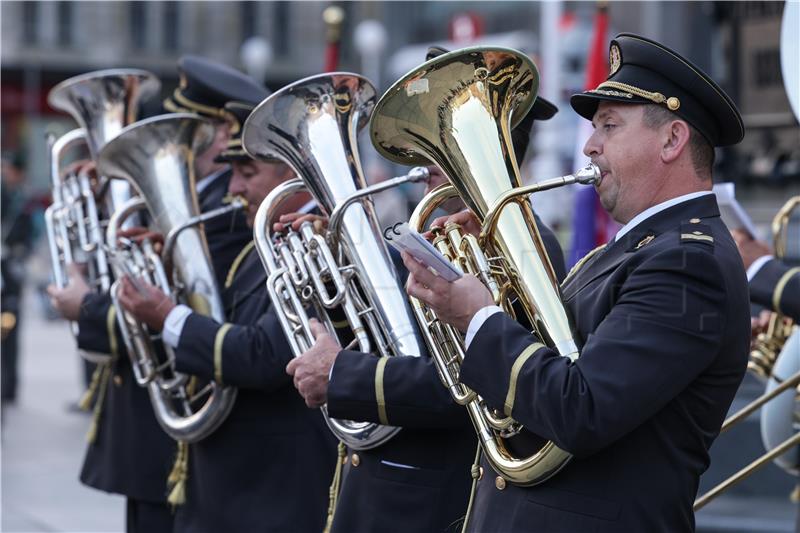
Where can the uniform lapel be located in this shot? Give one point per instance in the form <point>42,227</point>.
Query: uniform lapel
<point>618,251</point>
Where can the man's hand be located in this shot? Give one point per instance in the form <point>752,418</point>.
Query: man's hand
<point>455,303</point>
<point>295,220</point>
<point>311,369</point>
<point>749,248</point>
<point>67,301</point>
<point>151,306</point>
<point>138,234</point>
<point>466,219</point>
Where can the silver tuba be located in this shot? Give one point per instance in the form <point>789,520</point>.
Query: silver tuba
<point>102,103</point>
<point>156,157</point>
<point>312,126</point>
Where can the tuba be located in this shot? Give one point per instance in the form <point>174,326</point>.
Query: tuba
<point>312,126</point>
<point>769,344</point>
<point>457,111</point>
<point>102,103</point>
<point>155,156</point>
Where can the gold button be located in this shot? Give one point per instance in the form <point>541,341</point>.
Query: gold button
<point>356,459</point>
<point>480,473</point>
<point>117,380</point>
<point>695,221</point>
<point>345,459</point>
<point>673,103</point>
<point>500,483</point>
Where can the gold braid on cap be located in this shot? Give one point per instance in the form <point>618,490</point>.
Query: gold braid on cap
<point>216,112</point>
<point>672,103</point>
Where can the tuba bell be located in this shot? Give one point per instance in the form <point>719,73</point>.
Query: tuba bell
<point>102,102</point>
<point>155,156</point>
<point>312,126</point>
<point>457,111</point>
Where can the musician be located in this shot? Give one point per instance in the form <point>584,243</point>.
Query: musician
<point>773,283</point>
<point>269,465</point>
<point>128,452</point>
<point>420,479</point>
<point>661,313</point>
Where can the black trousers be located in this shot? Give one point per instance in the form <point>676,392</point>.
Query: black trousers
<point>148,517</point>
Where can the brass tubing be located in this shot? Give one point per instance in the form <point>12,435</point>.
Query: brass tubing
<point>740,415</point>
<point>746,471</point>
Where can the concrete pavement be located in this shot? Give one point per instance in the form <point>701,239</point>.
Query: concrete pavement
<point>43,442</point>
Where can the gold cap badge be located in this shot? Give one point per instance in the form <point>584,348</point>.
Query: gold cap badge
<point>614,58</point>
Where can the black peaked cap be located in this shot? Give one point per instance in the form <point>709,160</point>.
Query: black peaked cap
<point>643,71</point>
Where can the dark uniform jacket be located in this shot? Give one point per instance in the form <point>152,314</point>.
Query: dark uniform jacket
<point>268,467</point>
<point>663,318</point>
<point>776,286</point>
<point>379,491</point>
<point>131,455</point>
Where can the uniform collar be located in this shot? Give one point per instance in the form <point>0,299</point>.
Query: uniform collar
<point>204,182</point>
<point>668,218</point>
<point>650,211</point>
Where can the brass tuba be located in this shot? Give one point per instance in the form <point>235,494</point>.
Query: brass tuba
<point>312,126</point>
<point>769,344</point>
<point>102,102</point>
<point>457,111</point>
<point>156,157</point>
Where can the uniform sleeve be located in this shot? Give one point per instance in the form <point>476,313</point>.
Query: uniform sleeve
<point>776,286</point>
<point>397,391</point>
<point>98,330</point>
<point>664,330</point>
<point>252,356</point>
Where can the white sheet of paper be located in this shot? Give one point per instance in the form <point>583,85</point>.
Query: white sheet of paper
<point>733,214</point>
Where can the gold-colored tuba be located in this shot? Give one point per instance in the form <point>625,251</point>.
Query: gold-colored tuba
<point>457,111</point>
<point>102,103</point>
<point>312,126</point>
<point>156,156</point>
<point>769,344</point>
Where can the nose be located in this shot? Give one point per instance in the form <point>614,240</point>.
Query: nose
<point>237,185</point>
<point>593,147</point>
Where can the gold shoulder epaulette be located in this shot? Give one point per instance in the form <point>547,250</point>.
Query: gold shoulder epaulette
<point>694,231</point>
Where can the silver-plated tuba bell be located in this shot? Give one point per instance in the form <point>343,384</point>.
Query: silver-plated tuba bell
<point>156,157</point>
<point>312,126</point>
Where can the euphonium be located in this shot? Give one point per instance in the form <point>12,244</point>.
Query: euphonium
<point>769,344</point>
<point>457,111</point>
<point>102,103</point>
<point>312,126</point>
<point>156,157</point>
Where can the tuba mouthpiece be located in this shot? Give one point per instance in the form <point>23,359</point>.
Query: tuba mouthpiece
<point>589,175</point>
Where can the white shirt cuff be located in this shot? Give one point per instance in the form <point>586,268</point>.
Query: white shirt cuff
<point>756,266</point>
<point>173,325</point>
<point>477,321</point>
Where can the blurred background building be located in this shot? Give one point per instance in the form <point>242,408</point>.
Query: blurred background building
<point>44,43</point>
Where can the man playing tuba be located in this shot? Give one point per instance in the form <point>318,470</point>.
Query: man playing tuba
<point>661,311</point>
<point>269,465</point>
<point>128,452</point>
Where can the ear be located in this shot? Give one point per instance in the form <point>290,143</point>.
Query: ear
<point>675,140</point>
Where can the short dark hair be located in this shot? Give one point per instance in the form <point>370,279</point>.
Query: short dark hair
<point>702,152</point>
